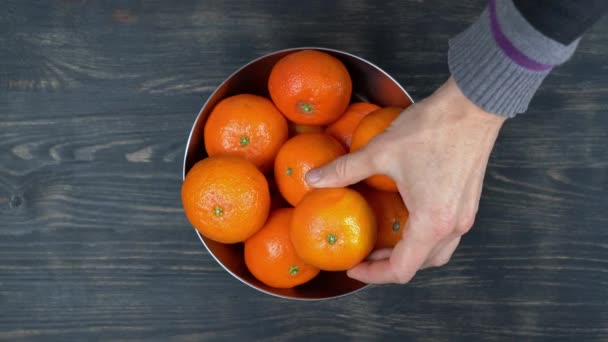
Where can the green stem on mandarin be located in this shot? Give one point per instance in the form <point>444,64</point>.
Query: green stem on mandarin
<point>244,141</point>
<point>305,107</point>
<point>294,269</point>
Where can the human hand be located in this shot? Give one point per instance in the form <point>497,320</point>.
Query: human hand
<point>437,152</point>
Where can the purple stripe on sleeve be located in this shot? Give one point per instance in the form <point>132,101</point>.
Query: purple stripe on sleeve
<point>508,48</point>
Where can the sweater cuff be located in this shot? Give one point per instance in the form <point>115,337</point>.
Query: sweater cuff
<point>500,61</point>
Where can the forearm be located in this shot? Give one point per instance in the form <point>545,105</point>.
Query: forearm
<point>500,61</point>
<point>561,20</point>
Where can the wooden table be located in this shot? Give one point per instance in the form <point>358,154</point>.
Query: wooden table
<point>97,99</point>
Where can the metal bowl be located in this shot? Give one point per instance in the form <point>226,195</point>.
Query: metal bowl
<point>370,83</point>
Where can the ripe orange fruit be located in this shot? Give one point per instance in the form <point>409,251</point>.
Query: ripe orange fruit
<point>391,215</point>
<point>370,126</point>
<point>333,229</point>
<point>298,155</point>
<point>310,87</point>
<point>271,257</point>
<point>247,126</point>
<point>345,126</point>
<point>226,198</point>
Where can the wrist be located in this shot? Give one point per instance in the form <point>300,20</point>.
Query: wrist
<point>453,98</point>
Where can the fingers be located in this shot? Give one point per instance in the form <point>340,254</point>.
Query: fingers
<point>399,265</point>
<point>406,258</point>
<point>346,170</point>
<point>442,254</point>
<point>380,254</point>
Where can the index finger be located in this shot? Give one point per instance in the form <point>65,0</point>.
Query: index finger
<point>343,171</point>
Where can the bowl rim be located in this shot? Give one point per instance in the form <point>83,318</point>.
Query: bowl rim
<point>195,124</point>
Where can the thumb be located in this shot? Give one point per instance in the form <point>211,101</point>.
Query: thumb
<point>345,170</point>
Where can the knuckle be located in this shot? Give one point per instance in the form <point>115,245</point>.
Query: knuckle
<point>444,222</point>
<point>381,151</point>
<point>443,230</point>
<point>401,276</point>
<point>440,261</point>
<point>342,166</point>
<point>466,222</point>
<point>465,225</point>
<point>378,157</point>
<point>461,229</point>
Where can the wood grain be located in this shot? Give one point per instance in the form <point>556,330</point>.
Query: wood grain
<point>96,103</point>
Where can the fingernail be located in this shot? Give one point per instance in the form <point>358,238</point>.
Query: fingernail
<point>313,176</point>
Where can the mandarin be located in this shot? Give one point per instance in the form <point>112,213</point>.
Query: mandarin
<point>310,87</point>
<point>271,257</point>
<point>226,198</point>
<point>247,126</point>
<point>333,229</point>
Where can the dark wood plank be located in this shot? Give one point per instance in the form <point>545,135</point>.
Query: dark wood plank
<point>96,103</point>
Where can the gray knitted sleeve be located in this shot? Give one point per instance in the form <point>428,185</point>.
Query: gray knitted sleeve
<point>500,61</point>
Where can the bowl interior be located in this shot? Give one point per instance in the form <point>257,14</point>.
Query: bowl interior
<point>370,84</point>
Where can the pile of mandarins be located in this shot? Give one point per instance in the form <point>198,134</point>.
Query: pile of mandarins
<point>256,145</point>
